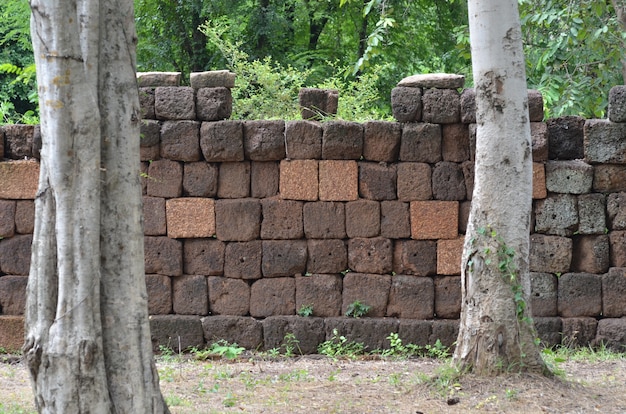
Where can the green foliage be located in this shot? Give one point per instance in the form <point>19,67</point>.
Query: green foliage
<point>357,309</point>
<point>339,346</point>
<point>306,310</point>
<point>221,348</point>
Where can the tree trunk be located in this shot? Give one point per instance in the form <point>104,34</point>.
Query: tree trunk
<point>620,11</point>
<point>496,332</point>
<point>88,343</point>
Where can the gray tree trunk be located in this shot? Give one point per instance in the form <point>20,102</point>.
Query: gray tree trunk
<point>496,332</point>
<point>620,11</point>
<point>88,343</point>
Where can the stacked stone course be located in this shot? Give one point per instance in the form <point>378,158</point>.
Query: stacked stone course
<point>247,221</point>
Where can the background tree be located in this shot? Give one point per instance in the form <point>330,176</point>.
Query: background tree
<point>88,344</point>
<point>496,331</point>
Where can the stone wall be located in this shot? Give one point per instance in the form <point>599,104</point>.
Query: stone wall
<point>248,221</point>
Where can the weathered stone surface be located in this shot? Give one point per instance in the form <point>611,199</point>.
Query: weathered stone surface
<point>163,256</point>
<point>190,295</point>
<point>468,106</point>
<point>190,217</point>
<point>377,181</point>
<point>370,289</point>
<point>590,254</point>
<point>414,331</point>
<point>238,220</point>
<point>449,254</point>
<point>233,180</point>
<point>146,79</point>
<point>421,142</point>
<point>271,297</point>
<point>212,79</point>
<point>222,141</point>
<point>318,103</point>
<point>244,331</point>
<point>338,180</point>
<point>464,210</point>
<point>18,141</point>
<point>434,219</point>
<point>411,297</point>
<point>264,140</point>
<point>165,179</point>
<point>15,255</point>
<point>394,220</point>
<point>324,220</point>
<point>264,179</point>
<point>415,257</point>
<point>342,140</point>
<point>406,104</point>
<point>535,105</point>
<point>613,293</point>
<point>19,179</point>
<point>159,288</point>
<point>180,140</point>
<point>550,254</point>
<point>174,102</point>
<point>617,248</point>
<point>617,104</point>
<point>320,291</point>
<point>11,332</point>
<point>549,330</point>
<point>303,140</point>
<point>414,181</point>
<point>539,137</point>
<point>591,208</point>
<point>25,216</point>
<point>446,331</point>
<point>203,257</point>
<point>362,218</point>
<point>370,255</point>
<point>174,331</point>
<point>579,332</point>
<point>616,211</point>
<point>243,260</point>
<point>565,138</point>
<point>214,104</point>
<point>371,332</point>
<point>150,133</point>
<point>434,80</point>
<point>13,294</point>
<point>455,142</point>
<point>580,294</point>
<point>7,218</point>
<point>571,177</point>
<point>283,257</point>
<point>543,294</point>
<point>441,106</point>
<point>299,180</point>
<point>282,219</point>
<point>327,256</point>
<point>309,332</point>
<point>468,175</point>
<point>146,102</point>
<point>609,178</point>
<point>604,141</point>
<point>557,214</point>
<point>150,153</point>
<point>228,296</point>
<point>611,333</point>
<point>448,297</point>
<point>381,141</point>
<point>539,181</point>
<point>448,182</point>
<point>154,222</point>
<point>200,179</point>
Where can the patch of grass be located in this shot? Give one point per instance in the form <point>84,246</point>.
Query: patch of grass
<point>176,401</point>
<point>339,346</point>
<point>221,348</point>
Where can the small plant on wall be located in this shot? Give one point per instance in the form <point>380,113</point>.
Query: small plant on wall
<point>357,309</point>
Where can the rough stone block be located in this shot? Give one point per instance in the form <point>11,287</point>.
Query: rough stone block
<point>15,255</point>
<point>203,257</point>
<point>212,79</point>
<point>617,104</point>
<point>370,289</point>
<point>539,138</point>
<point>264,140</point>
<point>472,137</point>
<point>415,257</point>
<point>616,211</point>
<point>282,219</point>
<point>579,332</point>
<point>611,333</point>
<point>362,218</point>
<point>7,218</point>
<point>228,296</point>
<point>394,220</point>
<point>448,182</point>
<point>565,138</point>
<point>214,104</point>
<point>338,180</point>
<point>591,213</point>
<point>243,331</point>
<point>13,294</point>
<point>414,181</point>
<point>11,332</point>
<point>604,142</point>
<point>455,142</point>
<point>372,255</point>
<point>18,141</point>
<point>609,178</point>
<point>243,260</point>
<point>446,331</point>
<point>264,179</point>
<point>222,141</point>
<point>414,331</point>
<point>406,104</point>
<point>317,103</point>
<point>448,297</point>
<point>180,140</point>
<point>468,106</point>
<point>434,80</point>
<point>190,295</point>
<point>190,217</point>
<point>324,220</point>
<point>174,102</point>
<point>543,294</point>
<point>143,177</point>
<point>309,332</point>
<point>299,179</point>
<point>303,140</point>
<point>342,140</point>
<point>233,180</point>
<point>283,257</point>
<point>25,216</point>
<point>320,291</point>
<point>238,220</point>
<point>613,293</point>
<point>327,256</point>
<point>434,219</point>
<point>163,256</point>
<point>441,106</point>
<point>580,294</point>
<point>590,254</point>
<point>19,179</point>
<point>150,153</point>
<point>535,105</point>
<point>411,297</point>
<point>200,179</point>
<point>174,331</point>
<point>381,141</point>
<point>570,177</point>
<point>165,179</point>
<point>159,288</point>
<point>464,211</point>
<point>154,222</point>
<point>449,254</point>
<point>467,168</point>
<point>272,297</point>
<point>421,142</point>
<point>152,79</point>
<point>150,133</point>
<point>549,330</point>
<point>539,181</point>
<point>376,181</point>
<point>557,214</point>
<point>550,254</point>
<point>371,332</point>
<point>146,103</point>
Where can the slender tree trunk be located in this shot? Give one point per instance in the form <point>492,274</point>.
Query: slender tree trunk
<point>496,331</point>
<point>620,11</point>
<point>87,343</point>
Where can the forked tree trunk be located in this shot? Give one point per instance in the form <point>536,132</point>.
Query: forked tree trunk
<point>496,332</point>
<point>87,343</point>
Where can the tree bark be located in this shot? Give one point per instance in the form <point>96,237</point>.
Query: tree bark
<point>620,11</point>
<point>496,331</point>
<point>87,342</point>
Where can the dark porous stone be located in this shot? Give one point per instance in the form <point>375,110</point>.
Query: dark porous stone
<point>448,182</point>
<point>264,140</point>
<point>222,141</point>
<point>381,141</point>
<point>441,106</point>
<point>243,260</point>
<point>238,219</point>
<point>371,332</point>
<point>241,330</point>
<point>370,289</point>
<point>15,254</point>
<point>214,104</point>
<point>163,256</point>
<point>322,292</point>
<point>283,257</point>
<point>421,143</point>
<point>203,257</point>
<point>326,256</point>
<point>342,140</point>
<point>565,138</point>
<point>176,332</point>
<point>377,181</point>
<point>415,257</point>
<point>308,332</point>
<point>406,104</point>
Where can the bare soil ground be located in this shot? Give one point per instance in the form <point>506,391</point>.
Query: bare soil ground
<point>316,384</point>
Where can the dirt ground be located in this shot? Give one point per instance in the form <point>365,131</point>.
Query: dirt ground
<point>316,384</point>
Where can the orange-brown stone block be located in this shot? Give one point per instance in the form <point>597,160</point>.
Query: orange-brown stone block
<point>190,217</point>
<point>339,180</point>
<point>298,180</point>
<point>19,179</point>
<point>431,220</point>
<point>449,254</point>
<point>539,181</point>
<point>11,332</point>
